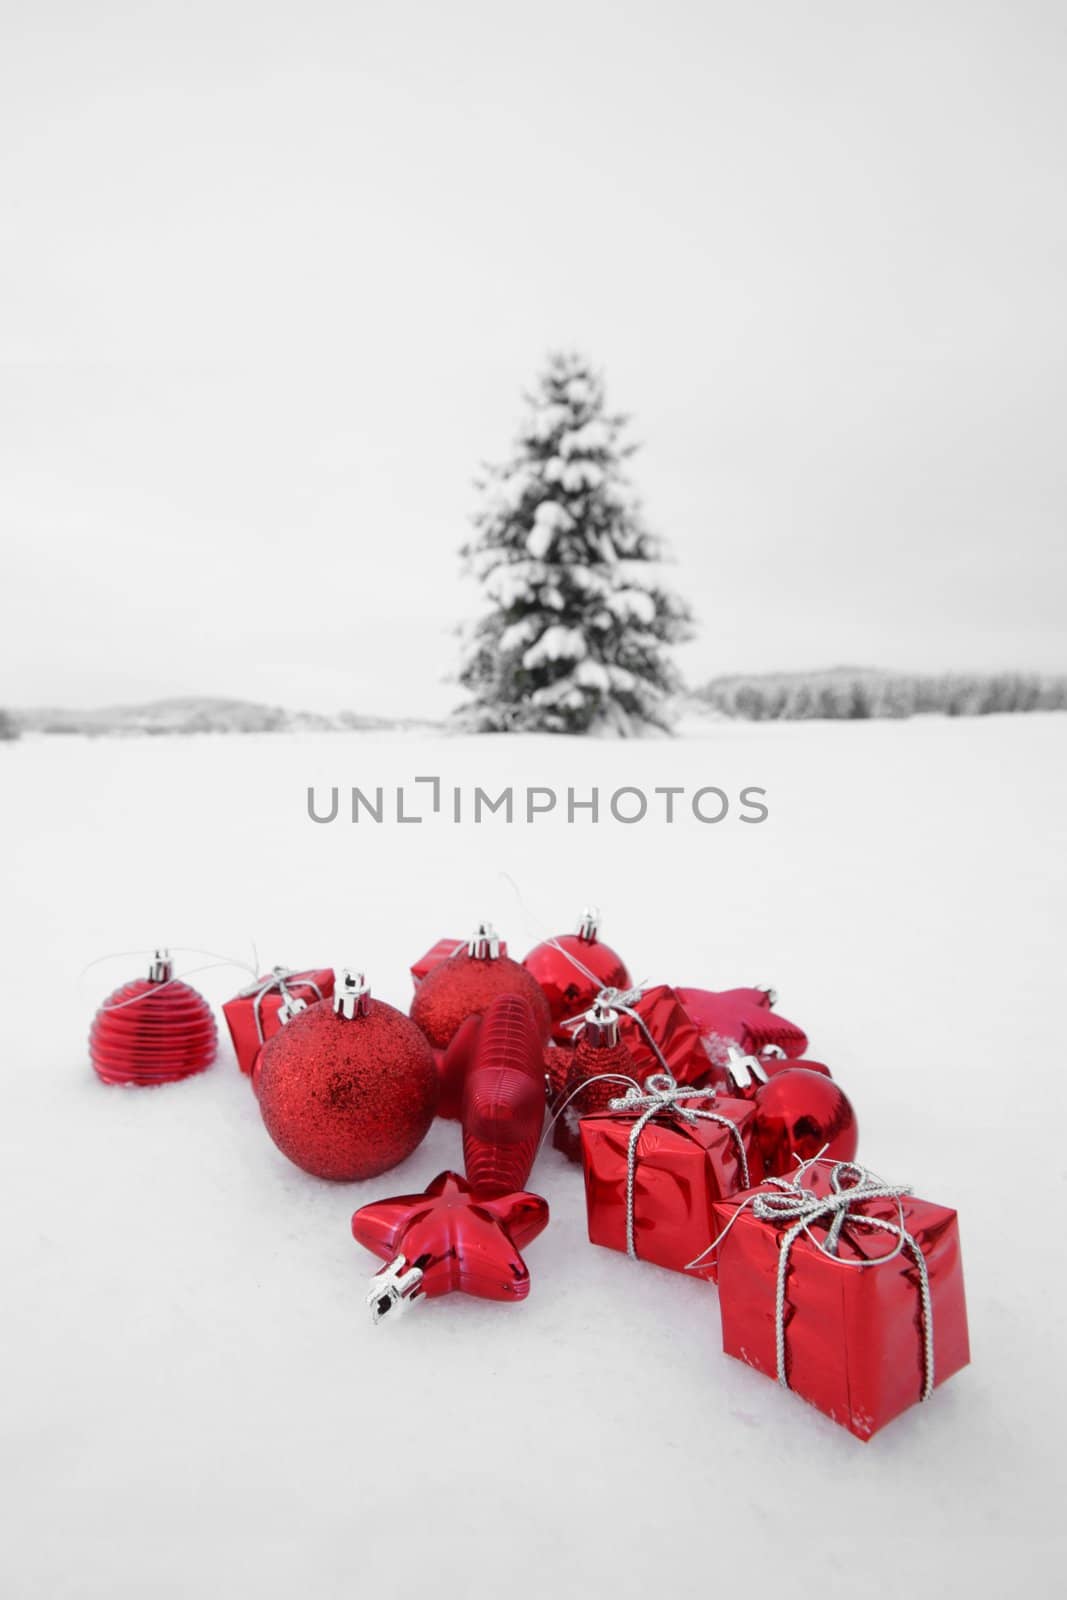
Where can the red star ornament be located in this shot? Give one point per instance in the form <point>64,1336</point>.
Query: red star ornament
<point>448,1239</point>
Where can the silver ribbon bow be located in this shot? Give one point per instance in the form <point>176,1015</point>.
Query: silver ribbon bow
<point>851,1186</point>
<point>661,1094</point>
<point>279,978</point>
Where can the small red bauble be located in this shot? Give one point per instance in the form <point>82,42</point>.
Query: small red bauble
<point>348,1088</point>
<point>504,1099</point>
<point>153,1030</point>
<point>558,967</point>
<point>801,1113</point>
<point>449,1239</point>
<point>465,986</point>
<point>599,1054</point>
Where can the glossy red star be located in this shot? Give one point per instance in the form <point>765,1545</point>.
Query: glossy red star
<point>742,1017</point>
<point>455,1239</point>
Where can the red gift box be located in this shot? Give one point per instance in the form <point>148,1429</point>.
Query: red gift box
<point>658,1033</point>
<point>258,1012</point>
<point>441,951</point>
<point>821,1287</point>
<point>685,1151</point>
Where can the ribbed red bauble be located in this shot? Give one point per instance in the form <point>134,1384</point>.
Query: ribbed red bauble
<point>801,1113</point>
<point>348,1088</point>
<point>558,964</point>
<point>153,1030</point>
<point>504,1099</point>
<point>465,986</point>
<point>599,1054</point>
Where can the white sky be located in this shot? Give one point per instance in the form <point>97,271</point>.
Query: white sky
<point>272,276</point>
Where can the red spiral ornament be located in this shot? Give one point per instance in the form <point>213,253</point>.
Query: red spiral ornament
<point>153,1030</point>
<point>598,1064</point>
<point>504,1099</point>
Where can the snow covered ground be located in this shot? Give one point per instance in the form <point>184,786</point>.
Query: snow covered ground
<point>196,1401</point>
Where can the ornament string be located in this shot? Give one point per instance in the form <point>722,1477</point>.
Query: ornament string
<point>213,965</point>
<point>661,1094</point>
<point>579,1089</point>
<point>785,1200</point>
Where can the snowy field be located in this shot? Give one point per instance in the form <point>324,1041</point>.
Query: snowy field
<point>196,1401</point>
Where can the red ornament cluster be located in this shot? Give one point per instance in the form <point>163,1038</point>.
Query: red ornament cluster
<point>711,1144</point>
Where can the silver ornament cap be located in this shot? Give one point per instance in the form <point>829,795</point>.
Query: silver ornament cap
<point>484,943</point>
<point>161,969</point>
<point>352,995</point>
<point>601,1028</point>
<point>589,926</point>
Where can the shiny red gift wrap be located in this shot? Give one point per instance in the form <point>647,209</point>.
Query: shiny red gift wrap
<point>676,1036</point>
<point>252,1015</point>
<point>853,1334</point>
<point>682,1169</point>
<point>441,952</point>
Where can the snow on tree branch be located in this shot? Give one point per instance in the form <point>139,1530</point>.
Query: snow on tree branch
<point>577,623</point>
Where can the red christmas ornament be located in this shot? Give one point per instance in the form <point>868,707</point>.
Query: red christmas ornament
<point>449,1239</point>
<point>801,1113</point>
<point>153,1030</point>
<point>347,1089</point>
<point>740,1017</point>
<point>504,1099</point>
<point>599,1051</point>
<point>462,987</point>
<point>572,970</point>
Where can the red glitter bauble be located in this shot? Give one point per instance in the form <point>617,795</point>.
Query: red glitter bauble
<point>557,965</point>
<point>348,1088</point>
<point>801,1113</point>
<point>466,985</point>
<point>153,1030</point>
<point>504,1099</point>
<point>599,1054</point>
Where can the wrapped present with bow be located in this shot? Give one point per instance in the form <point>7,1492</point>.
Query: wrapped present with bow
<point>656,1162</point>
<point>656,1031</point>
<point>264,1007</point>
<point>846,1289</point>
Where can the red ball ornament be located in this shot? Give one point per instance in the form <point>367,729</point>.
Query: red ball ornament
<point>449,1239</point>
<point>598,1053</point>
<point>465,986</point>
<point>572,970</point>
<point>802,1114</point>
<point>504,1099</point>
<point>347,1089</point>
<point>153,1030</point>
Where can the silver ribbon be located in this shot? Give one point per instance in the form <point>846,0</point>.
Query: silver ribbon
<point>851,1186</point>
<point>279,978</point>
<point>661,1094</point>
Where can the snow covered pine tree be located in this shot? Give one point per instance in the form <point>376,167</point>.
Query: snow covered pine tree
<point>573,641</point>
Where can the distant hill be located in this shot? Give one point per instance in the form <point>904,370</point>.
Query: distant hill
<point>854,693</point>
<point>198,715</point>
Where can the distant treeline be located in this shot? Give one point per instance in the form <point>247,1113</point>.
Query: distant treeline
<point>848,693</point>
